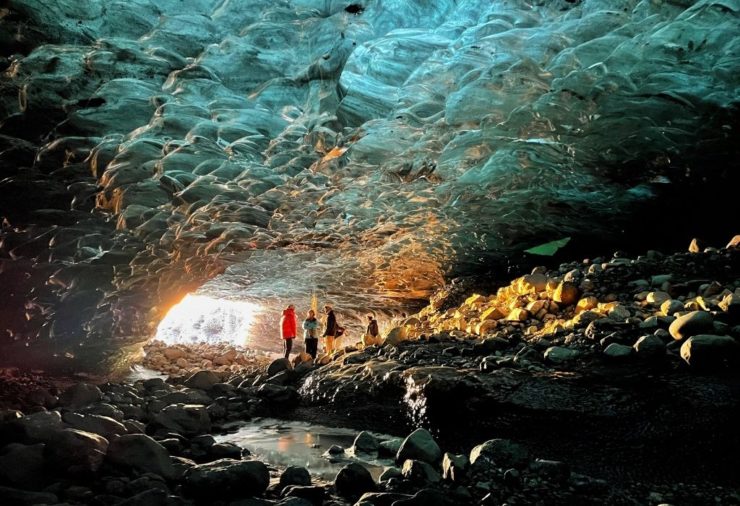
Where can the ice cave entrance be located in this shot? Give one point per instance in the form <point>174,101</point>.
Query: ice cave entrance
<point>202,319</point>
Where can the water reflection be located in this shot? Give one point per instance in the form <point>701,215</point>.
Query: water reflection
<point>289,443</point>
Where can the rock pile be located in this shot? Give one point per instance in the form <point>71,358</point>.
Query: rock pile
<point>184,359</point>
<point>620,307</point>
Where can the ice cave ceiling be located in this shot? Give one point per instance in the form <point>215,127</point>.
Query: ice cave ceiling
<point>365,150</point>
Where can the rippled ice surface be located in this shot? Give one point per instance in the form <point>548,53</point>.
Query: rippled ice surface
<point>289,443</point>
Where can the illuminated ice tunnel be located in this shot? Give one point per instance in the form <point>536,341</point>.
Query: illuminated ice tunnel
<point>202,319</point>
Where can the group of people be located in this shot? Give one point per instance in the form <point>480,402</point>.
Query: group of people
<point>332,330</point>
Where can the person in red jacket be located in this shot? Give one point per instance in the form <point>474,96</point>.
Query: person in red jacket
<point>288,328</point>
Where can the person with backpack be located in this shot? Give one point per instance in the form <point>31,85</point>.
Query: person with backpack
<point>310,330</point>
<point>331,329</point>
<point>371,333</point>
<point>288,326</point>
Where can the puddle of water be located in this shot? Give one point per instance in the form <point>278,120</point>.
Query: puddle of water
<point>138,372</point>
<point>289,443</point>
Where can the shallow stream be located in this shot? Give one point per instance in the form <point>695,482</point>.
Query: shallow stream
<point>290,443</point>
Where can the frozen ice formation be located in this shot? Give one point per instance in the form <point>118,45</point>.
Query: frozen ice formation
<point>363,150</point>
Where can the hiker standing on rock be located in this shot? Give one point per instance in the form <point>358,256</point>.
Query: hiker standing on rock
<point>288,328</point>
<point>330,329</point>
<point>310,331</point>
<point>372,332</point>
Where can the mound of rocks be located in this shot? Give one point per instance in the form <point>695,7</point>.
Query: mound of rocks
<point>184,359</point>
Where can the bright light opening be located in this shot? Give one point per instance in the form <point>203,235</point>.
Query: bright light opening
<point>201,319</point>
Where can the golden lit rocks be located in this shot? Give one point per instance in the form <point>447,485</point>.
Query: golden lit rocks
<point>491,313</point>
<point>566,293</point>
<point>518,315</point>
<point>586,304</point>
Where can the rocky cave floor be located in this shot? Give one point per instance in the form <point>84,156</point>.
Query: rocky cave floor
<point>609,381</point>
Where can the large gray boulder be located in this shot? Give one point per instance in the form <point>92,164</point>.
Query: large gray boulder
<point>616,351</point>
<point>203,380</point>
<point>419,445</point>
<point>101,425</point>
<point>80,395</point>
<point>365,443</point>
<point>420,473</point>
<point>691,324</point>
<point>353,480</point>
<point>141,453</point>
<point>560,354</point>
<point>499,452</point>
<point>649,346</point>
<point>276,366</point>
<point>75,452</point>
<point>227,479</point>
<point>295,475</point>
<point>454,467</point>
<point>707,351</point>
<point>185,419</point>
<point>33,428</point>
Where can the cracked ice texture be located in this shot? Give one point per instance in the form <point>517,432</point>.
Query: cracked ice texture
<point>364,152</point>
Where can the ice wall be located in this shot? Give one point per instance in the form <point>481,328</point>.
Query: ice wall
<point>363,150</point>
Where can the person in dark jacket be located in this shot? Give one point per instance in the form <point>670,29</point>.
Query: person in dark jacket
<point>330,329</point>
<point>310,333</point>
<point>372,327</point>
<point>288,328</point>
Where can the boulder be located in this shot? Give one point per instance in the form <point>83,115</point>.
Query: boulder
<point>313,494</point>
<point>33,428</point>
<point>101,425</point>
<point>388,473</point>
<point>696,245</point>
<point>281,364</point>
<point>395,335</point>
<point>390,447</point>
<point>518,315</point>
<point>226,479</point>
<point>185,419</point>
<point>618,351</point>
<point>532,283</point>
<point>707,351</point>
<point>173,354</point>
<point>560,355</point>
<point>353,480</point>
<point>141,453</point>
<point>492,313</point>
<point>295,475</point>
<point>691,324</point>
<point>75,452</point>
<point>657,298</point>
<point>552,470</point>
<point>671,306</point>
<point>202,380</point>
<point>419,445</point>
<point>22,465</point>
<point>730,304</point>
<point>586,304</point>
<point>420,473</point>
<point>79,395</point>
<point>454,467</point>
<point>499,452</point>
<point>566,293</point>
<point>649,346</point>
<point>365,443</point>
